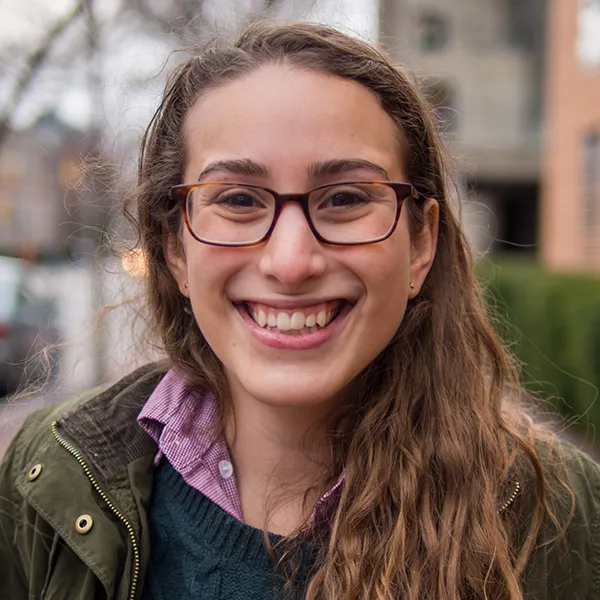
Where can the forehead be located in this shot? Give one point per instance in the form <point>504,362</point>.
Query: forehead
<point>288,118</point>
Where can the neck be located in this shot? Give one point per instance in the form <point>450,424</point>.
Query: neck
<point>279,453</point>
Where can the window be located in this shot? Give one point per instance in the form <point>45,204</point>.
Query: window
<point>433,32</point>
<point>588,33</point>
<point>591,184</point>
<point>525,25</point>
<point>441,96</point>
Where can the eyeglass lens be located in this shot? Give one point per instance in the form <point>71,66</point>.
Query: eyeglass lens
<point>345,213</point>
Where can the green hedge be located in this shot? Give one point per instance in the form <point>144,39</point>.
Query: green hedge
<point>551,320</point>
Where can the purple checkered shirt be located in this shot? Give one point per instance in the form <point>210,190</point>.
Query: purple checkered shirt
<point>184,424</point>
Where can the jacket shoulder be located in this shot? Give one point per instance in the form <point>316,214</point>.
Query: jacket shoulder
<point>572,477</point>
<point>17,520</point>
<point>35,514</point>
<point>36,431</point>
<point>566,561</point>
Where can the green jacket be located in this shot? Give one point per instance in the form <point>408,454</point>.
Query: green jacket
<point>75,491</point>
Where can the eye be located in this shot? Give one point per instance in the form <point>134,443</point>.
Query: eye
<point>239,200</point>
<point>228,198</point>
<point>345,199</point>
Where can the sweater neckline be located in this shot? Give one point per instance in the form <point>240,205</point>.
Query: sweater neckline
<point>211,524</point>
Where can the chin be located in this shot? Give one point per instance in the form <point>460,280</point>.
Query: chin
<point>290,391</point>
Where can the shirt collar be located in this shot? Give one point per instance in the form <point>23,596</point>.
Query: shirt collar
<point>175,406</point>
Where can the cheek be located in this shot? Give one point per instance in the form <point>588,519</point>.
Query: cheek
<point>386,279</point>
<point>385,268</point>
<point>209,270</point>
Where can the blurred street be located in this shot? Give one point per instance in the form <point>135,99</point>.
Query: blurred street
<point>12,415</point>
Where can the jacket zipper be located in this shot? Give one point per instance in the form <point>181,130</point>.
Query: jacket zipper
<point>136,553</point>
<point>516,491</point>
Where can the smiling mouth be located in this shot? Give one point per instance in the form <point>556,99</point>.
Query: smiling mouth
<point>300,321</point>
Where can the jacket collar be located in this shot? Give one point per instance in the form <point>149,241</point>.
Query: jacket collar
<point>105,427</point>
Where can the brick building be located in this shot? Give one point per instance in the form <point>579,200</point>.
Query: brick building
<point>570,216</point>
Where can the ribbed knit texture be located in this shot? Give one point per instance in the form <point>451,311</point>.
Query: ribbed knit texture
<point>200,552</point>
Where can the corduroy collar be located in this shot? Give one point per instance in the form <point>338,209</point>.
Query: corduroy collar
<point>105,428</point>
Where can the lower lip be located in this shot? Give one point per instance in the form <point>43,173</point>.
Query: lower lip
<point>294,341</point>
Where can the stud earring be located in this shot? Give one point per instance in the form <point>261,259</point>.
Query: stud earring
<point>185,285</point>
<point>412,285</point>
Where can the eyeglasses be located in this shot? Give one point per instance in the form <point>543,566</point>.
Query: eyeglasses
<point>345,213</point>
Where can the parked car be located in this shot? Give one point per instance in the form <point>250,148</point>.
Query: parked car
<point>26,327</point>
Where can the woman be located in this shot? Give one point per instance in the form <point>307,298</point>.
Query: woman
<point>331,378</point>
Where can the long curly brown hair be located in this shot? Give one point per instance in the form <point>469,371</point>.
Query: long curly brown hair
<point>434,444</point>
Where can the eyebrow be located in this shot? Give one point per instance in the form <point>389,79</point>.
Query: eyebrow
<point>244,166</point>
<point>336,167</point>
<point>318,170</point>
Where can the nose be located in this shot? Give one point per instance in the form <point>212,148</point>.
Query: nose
<point>292,254</point>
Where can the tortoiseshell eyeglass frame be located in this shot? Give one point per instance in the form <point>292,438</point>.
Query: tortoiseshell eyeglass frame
<point>180,194</point>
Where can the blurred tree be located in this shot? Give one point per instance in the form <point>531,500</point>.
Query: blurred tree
<point>45,41</point>
<point>35,61</point>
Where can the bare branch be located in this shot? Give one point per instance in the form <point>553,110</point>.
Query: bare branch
<point>270,4</point>
<point>184,22</point>
<point>93,50</point>
<point>184,19</point>
<point>33,66</point>
<point>174,22</point>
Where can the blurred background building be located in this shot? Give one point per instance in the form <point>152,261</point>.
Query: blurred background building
<point>570,215</point>
<point>54,210</point>
<point>482,63</point>
<point>43,198</point>
<point>515,83</point>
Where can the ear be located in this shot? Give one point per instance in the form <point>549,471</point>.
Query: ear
<point>423,247</point>
<point>176,262</point>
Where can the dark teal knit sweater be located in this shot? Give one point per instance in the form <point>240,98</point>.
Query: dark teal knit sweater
<point>200,552</point>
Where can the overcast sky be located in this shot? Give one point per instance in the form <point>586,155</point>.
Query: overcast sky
<point>132,64</point>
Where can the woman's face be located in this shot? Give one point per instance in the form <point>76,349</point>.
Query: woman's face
<point>278,127</point>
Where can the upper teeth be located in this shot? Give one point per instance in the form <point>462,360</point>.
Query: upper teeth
<point>297,320</point>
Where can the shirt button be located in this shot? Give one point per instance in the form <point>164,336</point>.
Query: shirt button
<point>226,469</point>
